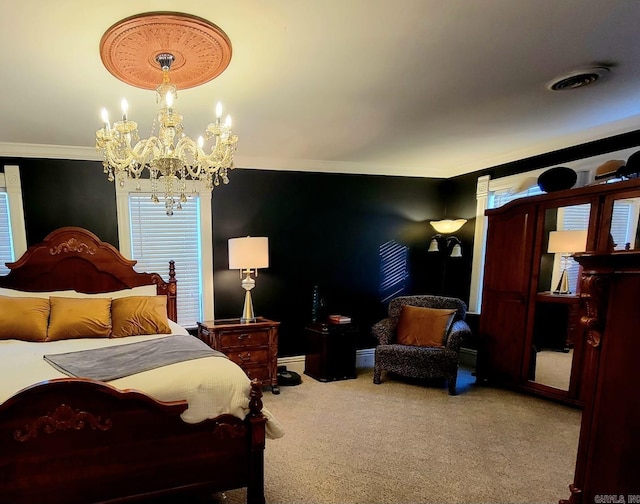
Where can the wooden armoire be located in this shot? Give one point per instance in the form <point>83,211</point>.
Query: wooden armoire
<point>608,461</point>
<point>518,304</point>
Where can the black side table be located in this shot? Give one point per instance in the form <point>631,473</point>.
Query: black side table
<point>331,351</point>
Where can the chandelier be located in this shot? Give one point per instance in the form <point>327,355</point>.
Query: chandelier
<point>170,157</point>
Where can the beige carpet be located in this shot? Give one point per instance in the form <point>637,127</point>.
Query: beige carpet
<point>400,442</point>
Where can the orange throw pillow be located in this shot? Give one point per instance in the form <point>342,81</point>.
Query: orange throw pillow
<point>136,315</point>
<point>24,318</point>
<point>424,326</point>
<point>79,318</point>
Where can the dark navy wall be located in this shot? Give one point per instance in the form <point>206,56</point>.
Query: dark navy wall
<point>324,229</point>
<point>58,193</point>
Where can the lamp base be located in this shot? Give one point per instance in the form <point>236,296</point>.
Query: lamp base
<point>563,284</point>
<point>248,315</point>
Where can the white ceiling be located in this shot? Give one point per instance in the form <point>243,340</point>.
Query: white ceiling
<point>430,88</point>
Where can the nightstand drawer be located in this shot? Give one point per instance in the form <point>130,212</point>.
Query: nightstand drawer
<point>243,339</point>
<point>249,357</point>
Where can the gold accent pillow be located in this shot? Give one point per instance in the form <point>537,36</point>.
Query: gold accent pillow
<point>24,318</point>
<point>424,326</point>
<point>136,315</point>
<point>79,318</point>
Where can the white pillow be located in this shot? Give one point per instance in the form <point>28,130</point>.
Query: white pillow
<point>142,290</point>
<point>175,328</point>
<point>41,295</point>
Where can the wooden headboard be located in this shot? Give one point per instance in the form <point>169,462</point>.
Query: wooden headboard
<point>74,258</point>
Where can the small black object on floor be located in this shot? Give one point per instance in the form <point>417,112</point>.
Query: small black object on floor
<point>286,378</point>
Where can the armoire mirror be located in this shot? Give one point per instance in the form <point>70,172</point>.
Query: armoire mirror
<point>556,315</point>
<point>624,231</point>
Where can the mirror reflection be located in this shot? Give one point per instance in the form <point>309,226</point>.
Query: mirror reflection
<point>624,224</point>
<point>557,302</point>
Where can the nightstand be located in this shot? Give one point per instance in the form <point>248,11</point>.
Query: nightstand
<point>253,346</point>
<point>331,351</point>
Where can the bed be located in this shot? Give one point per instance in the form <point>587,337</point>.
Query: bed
<point>68,439</point>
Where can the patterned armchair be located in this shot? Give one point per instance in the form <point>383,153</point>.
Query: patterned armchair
<point>420,361</point>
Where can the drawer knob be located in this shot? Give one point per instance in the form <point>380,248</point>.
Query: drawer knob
<point>243,336</point>
<point>245,357</point>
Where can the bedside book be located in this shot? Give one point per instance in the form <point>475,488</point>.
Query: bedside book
<point>339,319</point>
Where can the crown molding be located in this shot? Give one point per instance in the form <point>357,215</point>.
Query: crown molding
<point>22,150</point>
<point>43,151</point>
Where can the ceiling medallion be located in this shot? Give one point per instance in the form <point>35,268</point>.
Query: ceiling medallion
<point>129,49</point>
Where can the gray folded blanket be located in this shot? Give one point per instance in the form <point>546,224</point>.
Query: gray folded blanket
<point>111,363</point>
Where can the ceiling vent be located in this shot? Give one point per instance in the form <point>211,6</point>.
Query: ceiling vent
<point>578,78</point>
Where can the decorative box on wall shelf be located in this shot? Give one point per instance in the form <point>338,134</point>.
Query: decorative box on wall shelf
<point>331,351</point>
<point>253,346</point>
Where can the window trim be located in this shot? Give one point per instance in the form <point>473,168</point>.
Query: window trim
<point>206,234</point>
<point>10,180</point>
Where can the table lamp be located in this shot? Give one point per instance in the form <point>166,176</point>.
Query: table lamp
<point>566,243</point>
<point>247,255</point>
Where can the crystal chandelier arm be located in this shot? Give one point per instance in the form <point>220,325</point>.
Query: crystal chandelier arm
<point>146,150</point>
<point>188,151</point>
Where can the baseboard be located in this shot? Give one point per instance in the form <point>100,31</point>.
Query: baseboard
<point>364,359</point>
<point>295,363</point>
<point>468,357</point>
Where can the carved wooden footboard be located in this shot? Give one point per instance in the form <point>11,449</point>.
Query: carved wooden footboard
<point>71,440</point>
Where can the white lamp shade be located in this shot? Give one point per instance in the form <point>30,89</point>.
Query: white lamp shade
<point>251,252</point>
<point>448,225</point>
<point>567,241</point>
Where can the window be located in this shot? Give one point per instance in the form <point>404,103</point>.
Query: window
<point>13,240</point>
<point>156,239</point>
<point>500,198</point>
<point>151,237</point>
<point>6,240</point>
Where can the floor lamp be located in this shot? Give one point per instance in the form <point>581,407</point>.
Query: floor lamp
<point>446,246</point>
<point>247,255</point>
<point>566,243</point>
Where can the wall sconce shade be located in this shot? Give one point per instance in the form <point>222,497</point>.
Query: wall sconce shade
<point>248,254</point>
<point>456,251</point>
<point>448,225</point>
<point>449,245</point>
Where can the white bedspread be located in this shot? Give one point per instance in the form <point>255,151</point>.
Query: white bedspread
<point>211,386</point>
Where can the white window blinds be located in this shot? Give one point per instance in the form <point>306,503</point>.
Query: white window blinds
<point>499,198</point>
<point>6,241</point>
<point>624,223</point>
<point>157,238</point>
